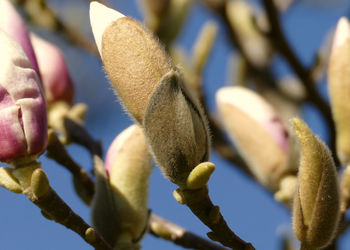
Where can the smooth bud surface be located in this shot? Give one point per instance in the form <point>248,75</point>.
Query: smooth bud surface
<point>23,121</point>
<point>12,23</point>
<point>316,203</point>
<point>54,72</point>
<point>339,88</point>
<point>256,130</point>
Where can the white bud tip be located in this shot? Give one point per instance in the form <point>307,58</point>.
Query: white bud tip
<point>342,32</point>
<point>100,17</point>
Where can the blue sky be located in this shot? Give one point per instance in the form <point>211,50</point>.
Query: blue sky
<point>250,211</point>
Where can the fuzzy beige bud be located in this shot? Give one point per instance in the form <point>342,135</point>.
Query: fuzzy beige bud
<point>133,59</point>
<point>316,203</point>
<point>176,129</point>
<point>339,88</point>
<point>255,45</point>
<point>129,165</point>
<point>257,132</point>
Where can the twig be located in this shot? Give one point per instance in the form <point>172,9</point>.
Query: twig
<point>281,43</point>
<point>167,230</point>
<point>57,152</point>
<point>36,10</point>
<point>35,185</point>
<point>78,134</point>
<point>200,204</point>
<point>61,213</point>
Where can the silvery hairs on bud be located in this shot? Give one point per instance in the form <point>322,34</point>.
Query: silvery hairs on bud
<point>176,128</point>
<point>152,91</point>
<point>316,203</point>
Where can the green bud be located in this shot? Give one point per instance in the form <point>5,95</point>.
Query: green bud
<point>8,181</point>
<point>40,183</point>
<point>90,235</point>
<point>316,203</point>
<point>200,175</point>
<point>179,197</point>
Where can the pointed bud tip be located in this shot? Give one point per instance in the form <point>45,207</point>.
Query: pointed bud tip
<point>342,32</point>
<point>100,17</point>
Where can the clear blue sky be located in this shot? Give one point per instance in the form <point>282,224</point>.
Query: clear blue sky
<point>250,211</point>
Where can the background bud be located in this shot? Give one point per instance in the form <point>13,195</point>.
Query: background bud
<point>339,88</point>
<point>129,165</point>
<point>316,203</point>
<point>133,59</point>
<point>23,121</point>
<point>12,23</point>
<point>255,45</point>
<point>257,131</point>
<point>54,72</point>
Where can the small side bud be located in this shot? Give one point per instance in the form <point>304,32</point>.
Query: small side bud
<point>179,197</point>
<point>8,181</point>
<point>90,235</point>
<point>200,175</point>
<point>316,203</point>
<point>339,88</point>
<point>40,183</point>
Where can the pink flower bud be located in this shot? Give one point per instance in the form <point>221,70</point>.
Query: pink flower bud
<point>257,131</point>
<point>129,165</point>
<point>12,23</point>
<point>54,72</point>
<point>23,122</point>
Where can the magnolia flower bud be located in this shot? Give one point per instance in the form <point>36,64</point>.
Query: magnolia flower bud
<point>129,165</point>
<point>23,122</point>
<point>54,72</point>
<point>316,203</point>
<point>255,45</point>
<point>134,61</point>
<point>12,23</point>
<point>153,92</point>
<point>257,132</point>
<point>339,88</point>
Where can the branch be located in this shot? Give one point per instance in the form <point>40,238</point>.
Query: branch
<point>201,205</point>
<point>57,152</point>
<point>35,185</point>
<point>278,38</point>
<point>43,16</point>
<point>167,230</point>
<point>79,135</point>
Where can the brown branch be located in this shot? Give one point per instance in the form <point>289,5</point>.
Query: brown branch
<point>57,152</point>
<point>79,135</point>
<point>167,230</point>
<point>40,14</point>
<point>278,38</point>
<point>56,209</point>
<point>201,205</point>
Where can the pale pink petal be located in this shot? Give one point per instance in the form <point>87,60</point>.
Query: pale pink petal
<point>54,72</point>
<point>12,23</point>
